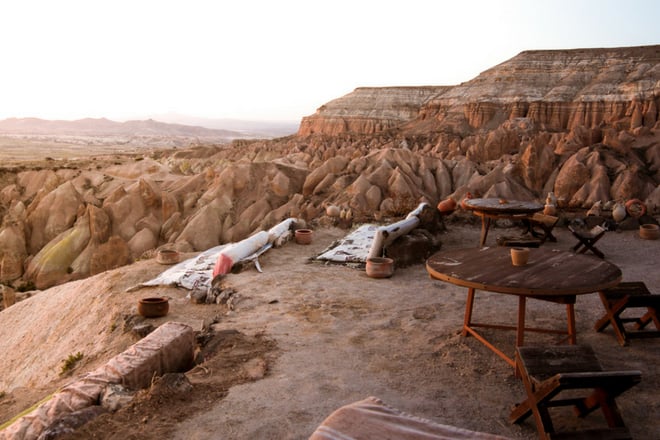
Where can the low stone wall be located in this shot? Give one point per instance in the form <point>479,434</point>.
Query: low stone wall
<point>168,349</point>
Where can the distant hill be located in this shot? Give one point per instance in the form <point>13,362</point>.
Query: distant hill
<point>149,127</point>
<point>265,129</point>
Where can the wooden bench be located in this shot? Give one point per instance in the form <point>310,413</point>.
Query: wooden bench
<point>554,376</point>
<point>622,298</point>
<point>541,225</point>
<point>587,239</point>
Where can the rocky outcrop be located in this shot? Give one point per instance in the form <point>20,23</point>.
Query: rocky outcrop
<point>368,110</point>
<point>558,91</point>
<point>536,113</point>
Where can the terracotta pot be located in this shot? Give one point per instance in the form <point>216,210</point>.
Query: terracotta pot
<point>304,236</point>
<point>380,267</point>
<point>519,256</point>
<point>649,232</point>
<point>167,256</point>
<point>447,206</point>
<point>549,210</point>
<point>635,208</point>
<point>154,307</point>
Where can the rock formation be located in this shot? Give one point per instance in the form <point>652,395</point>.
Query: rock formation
<point>369,110</point>
<point>538,112</point>
<point>580,123</point>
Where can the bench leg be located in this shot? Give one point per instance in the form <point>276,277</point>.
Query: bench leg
<point>649,316</point>
<point>600,398</point>
<point>613,310</point>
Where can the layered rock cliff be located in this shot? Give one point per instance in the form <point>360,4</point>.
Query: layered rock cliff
<point>557,90</point>
<point>368,110</point>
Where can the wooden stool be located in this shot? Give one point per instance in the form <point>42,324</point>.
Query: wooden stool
<point>545,223</point>
<point>588,238</point>
<point>629,295</point>
<point>548,371</point>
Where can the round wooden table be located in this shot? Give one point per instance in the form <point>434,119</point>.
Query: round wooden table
<point>494,208</point>
<point>550,275</point>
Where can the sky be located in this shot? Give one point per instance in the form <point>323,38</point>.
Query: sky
<point>275,60</point>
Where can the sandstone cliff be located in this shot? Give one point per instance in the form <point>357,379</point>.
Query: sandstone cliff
<point>368,110</point>
<point>557,90</point>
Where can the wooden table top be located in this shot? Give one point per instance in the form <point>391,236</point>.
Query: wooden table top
<point>549,272</point>
<point>502,206</point>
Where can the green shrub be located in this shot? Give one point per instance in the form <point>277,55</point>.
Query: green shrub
<point>70,362</point>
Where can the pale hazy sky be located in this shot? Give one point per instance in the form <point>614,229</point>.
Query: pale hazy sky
<point>275,59</point>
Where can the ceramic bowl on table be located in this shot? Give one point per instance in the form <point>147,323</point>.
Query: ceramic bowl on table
<point>519,256</point>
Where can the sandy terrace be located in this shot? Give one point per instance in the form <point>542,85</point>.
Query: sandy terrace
<point>306,338</point>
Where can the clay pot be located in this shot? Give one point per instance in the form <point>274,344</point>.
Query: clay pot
<point>618,212</point>
<point>549,209</point>
<point>380,267</point>
<point>649,232</point>
<point>167,256</point>
<point>635,208</point>
<point>154,307</point>
<point>447,206</point>
<point>303,236</point>
<point>519,256</point>
<point>332,211</point>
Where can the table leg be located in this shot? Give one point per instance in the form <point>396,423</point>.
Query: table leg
<point>570,317</point>
<point>520,331</point>
<point>485,225</point>
<point>520,327</point>
<point>468,311</point>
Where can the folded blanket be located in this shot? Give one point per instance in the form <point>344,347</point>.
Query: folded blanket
<point>371,419</point>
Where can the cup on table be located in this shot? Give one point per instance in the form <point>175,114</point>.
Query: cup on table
<point>519,256</point>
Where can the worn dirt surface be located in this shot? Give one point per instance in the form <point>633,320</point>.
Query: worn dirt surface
<point>306,338</point>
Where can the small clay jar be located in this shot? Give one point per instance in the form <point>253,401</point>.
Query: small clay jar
<point>447,206</point>
<point>167,256</point>
<point>154,307</point>
<point>380,267</point>
<point>519,256</point>
<point>549,209</point>
<point>304,236</point>
<point>649,231</point>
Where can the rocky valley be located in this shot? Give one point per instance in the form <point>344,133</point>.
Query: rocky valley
<point>581,123</point>
<point>86,207</point>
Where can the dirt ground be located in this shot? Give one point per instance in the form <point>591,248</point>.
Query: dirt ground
<point>306,338</point>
